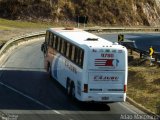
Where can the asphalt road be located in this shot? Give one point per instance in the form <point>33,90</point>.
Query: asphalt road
<point>27,93</point>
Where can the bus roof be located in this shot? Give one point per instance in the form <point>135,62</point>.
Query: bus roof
<point>81,37</point>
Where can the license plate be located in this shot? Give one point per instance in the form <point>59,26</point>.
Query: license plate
<point>105,98</point>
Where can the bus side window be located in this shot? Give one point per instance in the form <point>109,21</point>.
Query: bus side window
<point>62,49</point>
<point>76,55</point>
<point>73,53</point>
<point>51,39</point>
<point>59,44</point>
<point>67,50</point>
<point>70,51</point>
<point>81,56</point>
<point>47,37</point>
<point>54,41</point>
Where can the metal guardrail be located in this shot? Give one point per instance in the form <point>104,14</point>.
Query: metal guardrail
<point>142,53</point>
<point>123,29</point>
<point>104,29</point>
<point>25,37</point>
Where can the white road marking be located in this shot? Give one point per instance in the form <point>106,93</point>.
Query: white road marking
<point>19,92</point>
<point>32,99</point>
<point>56,111</point>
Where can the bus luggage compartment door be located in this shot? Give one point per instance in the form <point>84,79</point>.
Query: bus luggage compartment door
<point>107,81</point>
<point>109,77</point>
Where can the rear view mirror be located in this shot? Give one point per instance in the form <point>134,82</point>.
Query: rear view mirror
<point>43,47</point>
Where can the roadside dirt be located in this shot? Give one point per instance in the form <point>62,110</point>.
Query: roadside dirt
<point>144,83</point>
<point>6,35</point>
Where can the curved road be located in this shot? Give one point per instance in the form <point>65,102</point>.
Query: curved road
<point>29,94</point>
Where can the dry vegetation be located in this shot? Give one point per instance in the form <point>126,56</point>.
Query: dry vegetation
<point>110,12</point>
<point>144,85</point>
<point>10,29</point>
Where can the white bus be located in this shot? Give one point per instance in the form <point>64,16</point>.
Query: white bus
<point>90,68</point>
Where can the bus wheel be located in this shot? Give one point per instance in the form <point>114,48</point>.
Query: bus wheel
<point>49,70</point>
<point>73,90</point>
<point>68,88</point>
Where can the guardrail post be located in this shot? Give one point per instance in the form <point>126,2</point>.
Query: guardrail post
<point>131,51</point>
<point>156,58</point>
<point>151,62</point>
<point>141,55</point>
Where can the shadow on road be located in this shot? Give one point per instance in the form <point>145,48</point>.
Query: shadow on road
<point>34,90</point>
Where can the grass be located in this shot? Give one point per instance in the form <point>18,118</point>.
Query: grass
<point>144,86</point>
<point>13,28</point>
<point>21,24</point>
<point>6,28</point>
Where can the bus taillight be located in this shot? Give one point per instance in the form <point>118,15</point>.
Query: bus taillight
<point>125,88</point>
<point>85,88</point>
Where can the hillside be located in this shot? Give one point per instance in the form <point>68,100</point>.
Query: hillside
<point>109,12</point>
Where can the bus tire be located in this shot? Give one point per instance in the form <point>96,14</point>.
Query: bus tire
<point>68,88</point>
<point>72,90</point>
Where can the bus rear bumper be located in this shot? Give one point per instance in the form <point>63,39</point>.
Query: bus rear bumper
<point>104,97</point>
